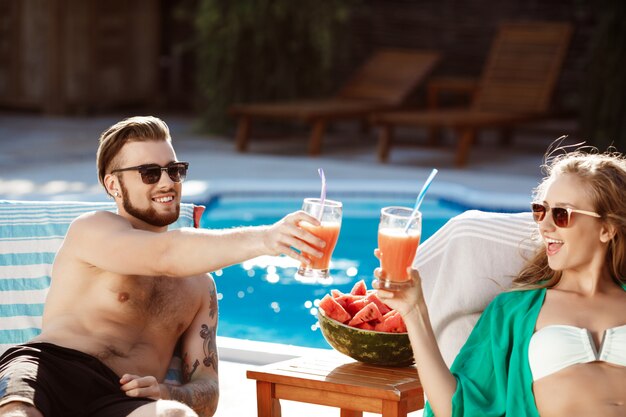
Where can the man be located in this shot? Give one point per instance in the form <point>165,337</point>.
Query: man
<point>125,291</point>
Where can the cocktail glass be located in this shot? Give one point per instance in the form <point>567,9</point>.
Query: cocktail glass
<point>330,217</point>
<point>399,233</point>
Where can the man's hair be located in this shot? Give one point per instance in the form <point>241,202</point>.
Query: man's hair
<point>604,177</point>
<point>133,129</point>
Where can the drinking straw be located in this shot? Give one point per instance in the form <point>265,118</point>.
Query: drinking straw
<point>323,194</point>
<point>420,198</point>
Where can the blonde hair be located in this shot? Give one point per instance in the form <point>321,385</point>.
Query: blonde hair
<point>133,129</point>
<point>604,176</point>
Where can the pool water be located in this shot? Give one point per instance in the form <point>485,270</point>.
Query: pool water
<point>261,300</point>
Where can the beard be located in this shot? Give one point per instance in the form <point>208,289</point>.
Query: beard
<point>149,215</point>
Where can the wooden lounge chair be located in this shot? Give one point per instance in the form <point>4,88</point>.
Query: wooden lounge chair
<point>382,83</point>
<point>516,85</point>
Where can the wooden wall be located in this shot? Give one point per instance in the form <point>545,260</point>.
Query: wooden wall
<point>463,31</point>
<point>68,56</point>
<point>75,56</point>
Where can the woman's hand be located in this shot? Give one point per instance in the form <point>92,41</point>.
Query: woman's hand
<point>405,300</point>
<point>140,386</point>
<point>286,235</point>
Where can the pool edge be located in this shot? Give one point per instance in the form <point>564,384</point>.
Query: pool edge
<point>253,352</point>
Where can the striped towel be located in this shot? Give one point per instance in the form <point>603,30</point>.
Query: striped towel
<point>465,264</point>
<point>30,235</point>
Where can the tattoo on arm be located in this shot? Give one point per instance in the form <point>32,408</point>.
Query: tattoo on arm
<point>209,347</point>
<point>187,373</point>
<point>201,395</point>
<point>212,303</point>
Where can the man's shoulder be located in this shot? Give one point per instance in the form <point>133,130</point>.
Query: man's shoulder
<point>98,218</point>
<point>204,280</point>
<point>91,224</point>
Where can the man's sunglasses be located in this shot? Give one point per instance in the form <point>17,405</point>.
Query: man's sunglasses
<point>560,215</point>
<point>151,173</point>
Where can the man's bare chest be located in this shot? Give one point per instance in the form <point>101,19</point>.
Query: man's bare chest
<point>159,301</point>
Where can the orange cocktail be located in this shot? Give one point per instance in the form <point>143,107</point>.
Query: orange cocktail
<point>329,213</point>
<point>329,232</point>
<point>399,235</point>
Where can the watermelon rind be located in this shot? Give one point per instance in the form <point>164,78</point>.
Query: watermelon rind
<point>369,346</point>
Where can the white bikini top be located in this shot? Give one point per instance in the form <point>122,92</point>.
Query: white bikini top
<point>556,347</point>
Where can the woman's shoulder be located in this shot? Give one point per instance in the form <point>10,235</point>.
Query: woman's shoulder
<point>517,298</point>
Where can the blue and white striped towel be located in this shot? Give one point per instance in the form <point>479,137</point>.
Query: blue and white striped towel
<point>30,235</point>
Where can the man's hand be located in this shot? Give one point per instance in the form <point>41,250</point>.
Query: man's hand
<point>140,386</point>
<point>286,235</point>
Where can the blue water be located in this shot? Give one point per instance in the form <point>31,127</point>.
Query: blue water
<point>260,300</point>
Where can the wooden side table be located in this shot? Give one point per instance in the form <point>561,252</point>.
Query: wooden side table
<point>353,387</point>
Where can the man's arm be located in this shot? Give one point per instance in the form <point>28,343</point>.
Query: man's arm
<point>109,242</point>
<point>200,389</point>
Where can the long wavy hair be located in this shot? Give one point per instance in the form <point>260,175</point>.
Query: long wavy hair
<point>604,176</point>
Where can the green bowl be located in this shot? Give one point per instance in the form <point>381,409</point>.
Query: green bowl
<point>377,348</point>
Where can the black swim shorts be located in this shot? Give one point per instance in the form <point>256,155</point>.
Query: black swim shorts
<point>63,382</point>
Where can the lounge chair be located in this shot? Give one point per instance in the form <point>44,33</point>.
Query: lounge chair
<point>382,83</point>
<point>516,86</point>
<point>31,233</point>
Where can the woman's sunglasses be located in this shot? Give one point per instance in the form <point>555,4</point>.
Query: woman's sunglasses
<point>151,173</point>
<point>560,215</point>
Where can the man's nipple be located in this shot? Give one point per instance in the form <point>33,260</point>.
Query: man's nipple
<point>123,297</point>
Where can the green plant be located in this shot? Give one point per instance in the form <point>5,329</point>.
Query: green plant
<point>264,50</point>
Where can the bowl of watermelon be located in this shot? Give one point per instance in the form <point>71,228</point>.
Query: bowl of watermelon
<point>360,325</point>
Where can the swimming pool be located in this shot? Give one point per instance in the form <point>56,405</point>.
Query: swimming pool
<point>261,300</point>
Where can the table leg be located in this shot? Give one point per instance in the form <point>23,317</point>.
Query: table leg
<point>267,405</point>
<point>394,408</point>
<point>385,139</point>
<point>317,134</point>
<point>351,413</point>
<point>243,133</point>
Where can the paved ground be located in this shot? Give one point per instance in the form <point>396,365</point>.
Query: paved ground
<point>54,158</point>
<point>45,158</point>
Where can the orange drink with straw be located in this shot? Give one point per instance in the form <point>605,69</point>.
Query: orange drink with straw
<point>399,233</point>
<point>329,213</point>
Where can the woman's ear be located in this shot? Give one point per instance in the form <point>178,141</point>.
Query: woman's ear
<point>607,233</point>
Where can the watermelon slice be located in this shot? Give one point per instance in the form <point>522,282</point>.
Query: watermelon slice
<point>346,299</point>
<point>368,313</point>
<point>382,307</point>
<point>361,308</point>
<point>359,288</point>
<point>365,345</point>
<point>336,293</point>
<point>391,323</point>
<point>333,309</point>
<point>365,326</point>
<point>356,306</point>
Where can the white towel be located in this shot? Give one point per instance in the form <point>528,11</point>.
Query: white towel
<point>465,264</point>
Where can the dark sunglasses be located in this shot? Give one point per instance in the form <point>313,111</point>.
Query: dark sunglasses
<point>151,173</point>
<point>560,215</point>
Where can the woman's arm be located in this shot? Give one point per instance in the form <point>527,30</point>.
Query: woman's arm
<point>438,382</point>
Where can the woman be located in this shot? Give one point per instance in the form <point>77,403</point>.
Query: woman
<point>556,345</point>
